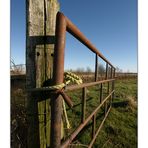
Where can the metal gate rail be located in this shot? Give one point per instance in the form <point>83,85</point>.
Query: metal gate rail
<point>63,24</point>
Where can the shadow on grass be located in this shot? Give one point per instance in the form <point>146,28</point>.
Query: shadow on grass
<point>120,104</point>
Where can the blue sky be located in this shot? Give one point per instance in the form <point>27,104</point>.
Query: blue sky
<point>111,25</point>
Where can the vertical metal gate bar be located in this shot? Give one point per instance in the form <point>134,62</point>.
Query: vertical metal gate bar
<point>96,67</point>
<point>101,93</point>
<point>82,125</point>
<point>105,107</point>
<point>114,73</point>
<point>93,125</point>
<point>98,130</point>
<point>113,84</point>
<point>106,75</point>
<point>111,72</point>
<point>83,104</point>
<point>108,85</point>
<point>63,25</point>
<point>58,76</point>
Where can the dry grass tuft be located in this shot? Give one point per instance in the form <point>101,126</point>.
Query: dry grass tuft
<point>132,103</point>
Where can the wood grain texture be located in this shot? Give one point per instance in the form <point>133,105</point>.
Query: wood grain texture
<point>40,22</point>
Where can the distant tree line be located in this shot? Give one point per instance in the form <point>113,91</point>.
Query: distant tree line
<point>119,70</point>
<point>88,70</point>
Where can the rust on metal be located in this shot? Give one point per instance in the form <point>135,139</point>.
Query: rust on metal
<point>63,24</point>
<point>70,88</point>
<point>73,87</point>
<point>96,68</point>
<point>101,93</point>
<point>97,132</point>
<point>58,76</point>
<point>106,75</point>
<point>67,99</point>
<point>105,108</point>
<point>83,104</point>
<point>113,83</point>
<point>93,126</point>
<point>111,75</point>
<point>82,125</point>
<point>72,29</point>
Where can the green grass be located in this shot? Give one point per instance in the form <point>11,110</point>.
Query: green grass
<point>120,128</point>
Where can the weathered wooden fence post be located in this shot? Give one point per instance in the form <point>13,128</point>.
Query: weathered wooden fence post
<point>40,38</point>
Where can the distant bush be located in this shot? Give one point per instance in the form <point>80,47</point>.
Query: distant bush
<point>17,69</point>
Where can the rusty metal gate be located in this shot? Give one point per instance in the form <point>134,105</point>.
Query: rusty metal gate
<point>63,24</point>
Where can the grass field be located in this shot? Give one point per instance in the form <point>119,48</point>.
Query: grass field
<point>120,128</point>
